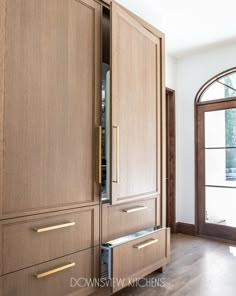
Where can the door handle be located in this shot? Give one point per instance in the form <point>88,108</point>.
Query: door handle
<point>117,162</point>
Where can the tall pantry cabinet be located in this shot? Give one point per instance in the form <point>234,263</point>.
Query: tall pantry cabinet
<point>50,102</point>
<point>79,168</point>
<point>135,240</point>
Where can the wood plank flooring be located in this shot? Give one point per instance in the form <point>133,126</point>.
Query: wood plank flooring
<point>199,267</point>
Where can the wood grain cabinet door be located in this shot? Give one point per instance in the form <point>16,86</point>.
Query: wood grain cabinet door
<point>49,87</point>
<point>136,94</point>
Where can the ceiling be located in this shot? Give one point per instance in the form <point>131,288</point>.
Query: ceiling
<point>189,25</point>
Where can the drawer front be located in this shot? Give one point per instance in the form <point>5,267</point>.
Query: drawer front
<point>57,277</point>
<point>121,220</point>
<point>139,257</point>
<point>37,240</point>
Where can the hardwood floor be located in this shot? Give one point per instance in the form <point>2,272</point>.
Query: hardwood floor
<point>199,267</point>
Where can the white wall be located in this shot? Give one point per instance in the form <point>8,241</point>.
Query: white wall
<point>171,72</point>
<point>192,72</point>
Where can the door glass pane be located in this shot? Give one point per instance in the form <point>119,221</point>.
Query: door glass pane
<point>215,129</point>
<point>220,168</point>
<point>220,128</point>
<point>230,81</point>
<point>220,206</point>
<point>224,87</point>
<point>214,92</point>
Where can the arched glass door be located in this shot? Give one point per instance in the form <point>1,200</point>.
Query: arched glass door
<point>216,157</point>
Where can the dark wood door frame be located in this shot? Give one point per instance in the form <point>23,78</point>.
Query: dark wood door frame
<point>171,159</point>
<point>203,228</point>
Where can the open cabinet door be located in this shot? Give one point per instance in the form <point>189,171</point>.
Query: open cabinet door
<point>136,101</point>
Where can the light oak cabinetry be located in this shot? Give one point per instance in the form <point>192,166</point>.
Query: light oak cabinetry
<point>136,103</point>
<point>79,167</point>
<point>50,100</point>
<point>135,240</point>
<point>55,278</point>
<point>31,240</point>
<point>137,258</point>
<point>49,111</point>
<point>124,219</point>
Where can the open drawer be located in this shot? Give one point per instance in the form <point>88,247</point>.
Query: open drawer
<point>132,257</point>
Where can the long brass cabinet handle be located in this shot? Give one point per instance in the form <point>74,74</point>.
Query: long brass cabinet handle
<point>117,163</point>
<point>99,157</point>
<point>146,244</point>
<point>135,209</point>
<point>54,227</point>
<point>55,270</point>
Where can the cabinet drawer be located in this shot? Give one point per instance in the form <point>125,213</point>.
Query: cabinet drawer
<point>54,278</point>
<point>128,218</point>
<point>33,240</point>
<point>136,258</point>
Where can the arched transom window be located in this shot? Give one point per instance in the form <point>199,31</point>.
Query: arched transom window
<point>222,86</point>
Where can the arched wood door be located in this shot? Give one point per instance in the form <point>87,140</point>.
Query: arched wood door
<point>215,112</point>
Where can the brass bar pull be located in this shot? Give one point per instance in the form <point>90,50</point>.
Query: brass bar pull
<point>99,157</point>
<point>135,209</point>
<point>146,244</point>
<point>58,269</point>
<point>117,180</point>
<point>49,228</point>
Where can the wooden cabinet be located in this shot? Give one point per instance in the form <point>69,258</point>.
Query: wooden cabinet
<point>137,202</point>
<point>136,102</point>
<point>64,276</point>
<point>124,219</point>
<point>32,240</point>
<point>49,111</point>
<point>138,258</point>
<point>49,98</point>
<point>135,256</point>
<point>50,155</point>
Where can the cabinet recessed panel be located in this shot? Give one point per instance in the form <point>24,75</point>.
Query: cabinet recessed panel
<point>135,109</point>
<point>50,110</point>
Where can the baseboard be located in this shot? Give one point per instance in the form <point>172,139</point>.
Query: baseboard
<point>185,228</point>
